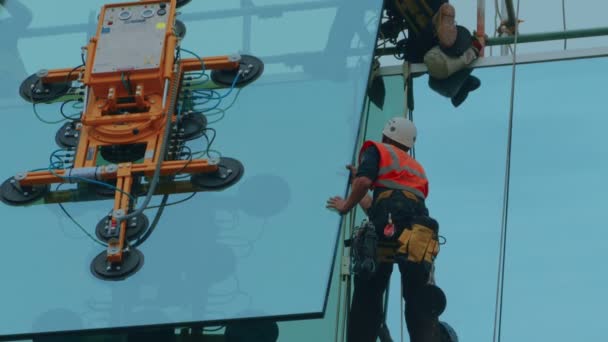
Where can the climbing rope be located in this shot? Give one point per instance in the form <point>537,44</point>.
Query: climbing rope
<point>564,21</point>
<point>402,314</point>
<point>505,208</point>
<point>341,327</point>
<point>497,19</point>
<point>338,325</point>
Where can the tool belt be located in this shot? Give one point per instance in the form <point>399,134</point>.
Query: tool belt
<point>419,244</point>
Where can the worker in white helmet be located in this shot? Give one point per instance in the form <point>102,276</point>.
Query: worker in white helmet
<point>400,187</point>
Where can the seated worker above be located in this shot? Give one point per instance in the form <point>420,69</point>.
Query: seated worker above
<point>436,40</point>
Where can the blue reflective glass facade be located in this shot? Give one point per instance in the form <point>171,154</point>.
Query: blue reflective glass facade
<point>553,286</point>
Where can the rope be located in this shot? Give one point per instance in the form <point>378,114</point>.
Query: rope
<point>407,74</point>
<point>346,317</point>
<point>402,314</point>
<point>564,21</point>
<point>505,209</point>
<point>337,328</point>
<point>410,114</point>
<point>497,19</point>
<point>342,324</point>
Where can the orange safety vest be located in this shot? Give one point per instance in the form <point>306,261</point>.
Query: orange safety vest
<point>398,170</point>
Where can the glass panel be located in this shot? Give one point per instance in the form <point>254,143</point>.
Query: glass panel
<point>462,150</point>
<point>557,232</point>
<point>239,253</point>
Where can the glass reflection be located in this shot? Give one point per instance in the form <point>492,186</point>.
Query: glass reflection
<point>557,234</point>
<point>218,256</point>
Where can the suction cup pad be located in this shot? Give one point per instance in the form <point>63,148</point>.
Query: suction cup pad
<point>181,3</point>
<point>67,136</point>
<point>11,194</point>
<point>135,228</point>
<point>194,125</point>
<point>180,29</point>
<point>33,90</point>
<point>230,171</point>
<point>251,69</point>
<point>132,262</point>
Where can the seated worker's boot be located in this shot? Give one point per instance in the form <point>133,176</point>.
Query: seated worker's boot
<point>445,25</point>
<point>471,84</point>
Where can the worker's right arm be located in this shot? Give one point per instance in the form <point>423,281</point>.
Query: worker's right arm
<point>369,168</point>
<point>366,202</point>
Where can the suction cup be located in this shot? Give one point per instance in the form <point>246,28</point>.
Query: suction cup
<point>181,3</point>
<point>251,69</point>
<point>68,135</point>
<point>12,194</point>
<point>132,262</point>
<point>230,172</point>
<point>33,90</point>
<point>180,29</point>
<point>135,228</point>
<point>123,153</point>
<point>194,125</point>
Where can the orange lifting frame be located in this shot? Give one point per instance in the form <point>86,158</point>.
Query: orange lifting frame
<point>153,88</point>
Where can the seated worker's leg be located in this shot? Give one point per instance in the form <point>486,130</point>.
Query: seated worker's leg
<point>366,312</point>
<point>471,83</point>
<point>450,86</point>
<point>441,66</point>
<point>457,87</point>
<point>421,325</point>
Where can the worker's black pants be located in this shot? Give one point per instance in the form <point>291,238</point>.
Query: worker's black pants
<point>366,313</point>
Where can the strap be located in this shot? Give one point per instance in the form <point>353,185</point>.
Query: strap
<point>386,194</point>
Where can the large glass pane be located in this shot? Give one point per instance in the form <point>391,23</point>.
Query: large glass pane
<point>555,283</point>
<point>238,253</point>
<point>462,150</point>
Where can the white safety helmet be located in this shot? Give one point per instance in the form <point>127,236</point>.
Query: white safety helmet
<point>400,130</point>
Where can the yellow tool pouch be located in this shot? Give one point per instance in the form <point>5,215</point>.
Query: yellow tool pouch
<point>419,243</point>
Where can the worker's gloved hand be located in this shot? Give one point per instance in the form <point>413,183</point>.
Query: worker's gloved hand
<point>469,56</point>
<point>478,42</point>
